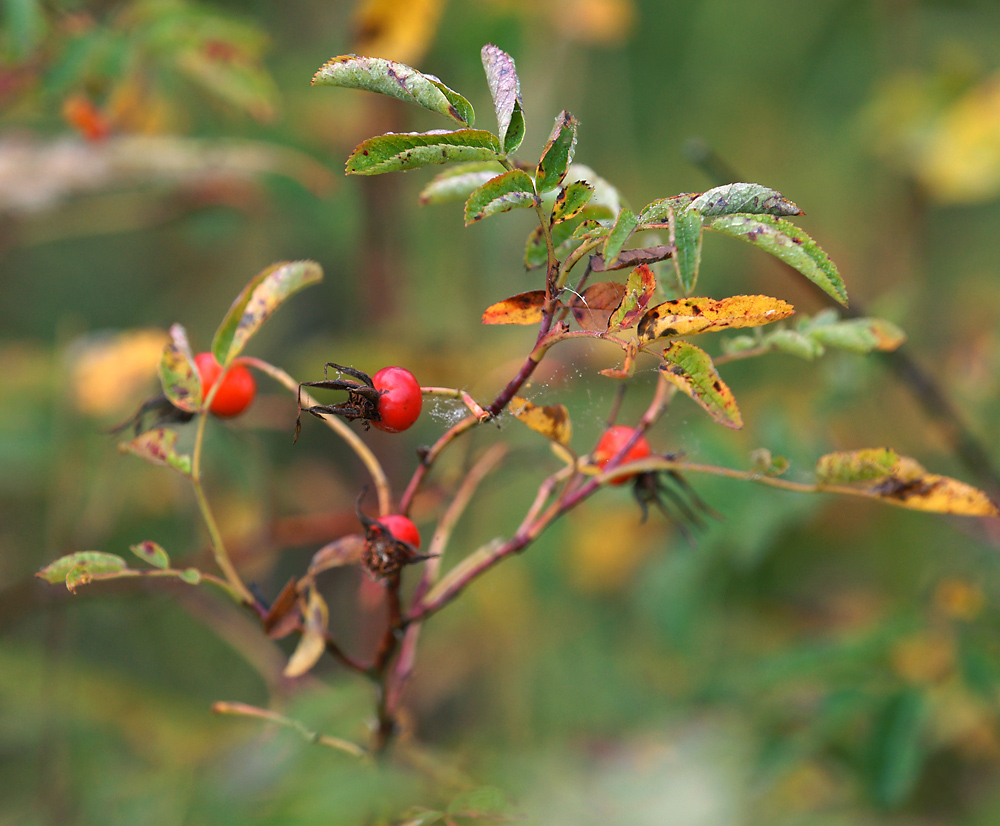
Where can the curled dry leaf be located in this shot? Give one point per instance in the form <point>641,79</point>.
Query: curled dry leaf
<point>593,308</point>
<point>312,643</point>
<point>689,316</point>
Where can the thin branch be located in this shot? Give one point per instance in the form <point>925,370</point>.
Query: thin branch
<point>244,710</point>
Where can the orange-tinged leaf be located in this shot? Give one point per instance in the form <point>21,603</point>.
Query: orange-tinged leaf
<point>690,368</point>
<point>899,480</point>
<point>552,420</point>
<point>638,292</point>
<point>689,316</point>
<point>523,308</point>
<point>592,310</point>
<point>312,643</point>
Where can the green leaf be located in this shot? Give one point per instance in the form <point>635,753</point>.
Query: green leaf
<point>589,230</point>
<point>535,252</point>
<point>483,803</point>
<point>787,242</point>
<point>458,182</point>
<point>859,335</point>
<point>267,291</point>
<point>157,447</point>
<point>571,201</point>
<point>505,87</point>
<point>685,235</point>
<point>503,193</point>
<point>178,376</point>
<point>25,23</point>
<point>691,369</point>
<point>659,211</point>
<point>387,77</point>
<point>750,199</point>
<point>192,576</point>
<point>898,750</point>
<point>152,553</point>
<point>557,154</point>
<point>607,200</point>
<point>410,150</point>
<point>795,344</point>
<point>856,466</point>
<point>638,292</point>
<point>89,562</point>
<point>621,231</point>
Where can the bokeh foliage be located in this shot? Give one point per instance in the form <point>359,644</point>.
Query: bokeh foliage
<point>809,660</point>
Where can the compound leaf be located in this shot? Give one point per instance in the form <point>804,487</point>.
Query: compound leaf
<point>505,87</point>
<point>551,420</point>
<point>638,292</point>
<point>157,447</point>
<point>410,150</point>
<point>690,368</point>
<point>259,299</point>
<point>689,316</point>
<point>750,199</point>
<point>505,192</point>
<point>787,242</point>
<point>387,77</point>
<point>557,154</point>
<point>178,376</point>
<point>523,308</point>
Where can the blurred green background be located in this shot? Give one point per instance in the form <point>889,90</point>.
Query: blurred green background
<point>807,661</point>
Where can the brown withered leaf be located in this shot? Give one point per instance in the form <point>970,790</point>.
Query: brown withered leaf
<point>594,307</point>
<point>633,257</point>
<point>523,308</point>
<point>276,621</point>
<point>343,551</point>
<point>689,316</point>
<point>638,291</point>
<point>552,420</point>
<point>312,643</point>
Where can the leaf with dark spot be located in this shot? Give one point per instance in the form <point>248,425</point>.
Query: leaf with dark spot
<point>691,370</point>
<point>788,243</point>
<point>552,420</point>
<point>158,447</point>
<point>396,151</point>
<point>151,553</point>
<point>750,199</point>
<point>178,376</point>
<point>633,257</point>
<point>267,291</point>
<point>557,154</point>
<point>511,190</point>
<point>523,308</point>
<point>658,212</point>
<point>571,201</point>
<point>505,87</point>
<point>638,292</point>
<point>593,310</point>
<point>387,77</point>
<point>690,316</point>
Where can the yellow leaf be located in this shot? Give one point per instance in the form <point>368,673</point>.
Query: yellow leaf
<point>523,308</point>
<point>312,643</point>
<point>552,420</point>
<point>689,316</point>
<point>396,30</point>
<point>108,373</point>
<point>690,368</point>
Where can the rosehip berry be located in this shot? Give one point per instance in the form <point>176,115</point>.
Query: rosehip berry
<point>612,442</point>
<point>400,400</point>
<point>401,528</point>
<point>390,543</point>
<point>236,391</point>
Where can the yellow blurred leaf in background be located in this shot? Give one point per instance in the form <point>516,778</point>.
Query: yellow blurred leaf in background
<point>110,372</point>
<point>396,30</point>
<point>606,546</point>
